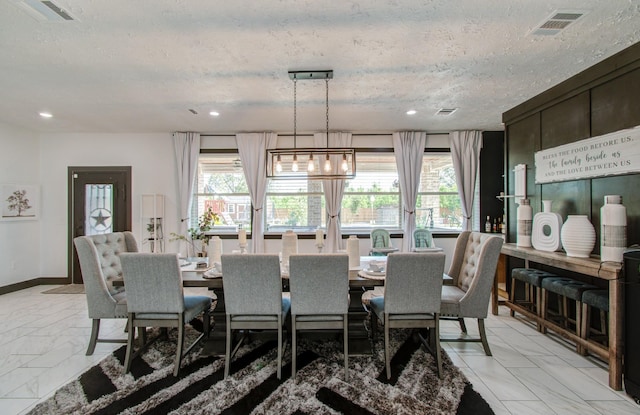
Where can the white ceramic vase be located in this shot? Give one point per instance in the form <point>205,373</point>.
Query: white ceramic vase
<point>578,236</point>
<point>545,235</point>
<point>613,229</point>
<point>524,215</point>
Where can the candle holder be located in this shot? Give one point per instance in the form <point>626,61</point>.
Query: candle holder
<point>243,247</point>
<point>320,246</point>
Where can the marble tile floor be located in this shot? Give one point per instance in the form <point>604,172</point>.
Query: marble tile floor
<point>43,338</point>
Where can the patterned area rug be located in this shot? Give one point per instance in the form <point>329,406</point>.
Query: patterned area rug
<point>253,388</point>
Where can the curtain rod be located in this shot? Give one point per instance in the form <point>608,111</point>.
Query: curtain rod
<point>311,135</point>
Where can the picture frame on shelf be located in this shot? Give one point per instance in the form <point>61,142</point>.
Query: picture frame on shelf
<point>19,202</point>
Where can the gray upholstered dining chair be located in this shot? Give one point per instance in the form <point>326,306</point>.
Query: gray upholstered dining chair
<point>100,265</point>
<point>253,298</point>
<point>319,285</point>
<point>473,269</point>
<point>155,298</point>
<point>413,287</point>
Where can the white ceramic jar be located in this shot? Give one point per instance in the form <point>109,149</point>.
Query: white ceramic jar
<point>613,229</point>
<point>578,236</point>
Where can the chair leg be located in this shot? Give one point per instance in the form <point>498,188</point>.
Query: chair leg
<point>579,349</point>
<point>483,337</point>
<point>436,344</point>
<point>207,323</point>
<point>387,358</point>
<point>130,339</point>
<point>95,328</point>
<point>543,309</point>
<point>227,355</point>
<point>279,346</point>
<point>179,352</point>
<point>538,307</point>
<point>345,323</point>
<point>565,311</point>
<point>585,326</point>
<point>294,346</point>
<point>512,297</point>
<point>463,327</point>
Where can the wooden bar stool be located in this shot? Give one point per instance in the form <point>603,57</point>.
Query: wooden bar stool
<point>595,299</point>
<point>532,280</point>
<point>565,288</point>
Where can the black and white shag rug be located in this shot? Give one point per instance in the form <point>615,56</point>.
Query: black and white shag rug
<point>253,388</point>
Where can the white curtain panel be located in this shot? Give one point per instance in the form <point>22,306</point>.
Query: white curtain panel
<point>465,151</point>
<point>408,147</point>
<point>252,148</point>
<point>187,149</point>
<point>333,189</point>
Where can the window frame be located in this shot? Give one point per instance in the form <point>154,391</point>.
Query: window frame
<point>346,230</point>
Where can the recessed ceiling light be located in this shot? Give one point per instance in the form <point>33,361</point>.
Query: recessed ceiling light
<point>46,115</point>
<point>411,112</point>
<point>214,113</point>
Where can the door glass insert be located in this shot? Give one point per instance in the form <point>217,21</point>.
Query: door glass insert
<point>98,209</point>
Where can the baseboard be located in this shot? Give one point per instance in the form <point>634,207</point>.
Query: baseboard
<point>32,283</point>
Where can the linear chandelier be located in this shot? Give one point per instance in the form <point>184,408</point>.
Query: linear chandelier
<point>327,163</point>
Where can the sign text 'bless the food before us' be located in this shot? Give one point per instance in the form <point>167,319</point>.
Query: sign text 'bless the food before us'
<point>610,154</point>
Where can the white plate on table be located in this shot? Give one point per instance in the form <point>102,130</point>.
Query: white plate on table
<point>431,249</point>
<point>372,275</point>
<point>212,273</point>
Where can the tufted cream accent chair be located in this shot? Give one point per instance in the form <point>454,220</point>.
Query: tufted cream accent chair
<point>100,265</point>
<point>473,269</point>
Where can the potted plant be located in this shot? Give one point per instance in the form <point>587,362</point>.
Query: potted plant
<point>197,237</point>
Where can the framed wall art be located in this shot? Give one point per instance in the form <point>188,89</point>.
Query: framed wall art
<point>19,202</point>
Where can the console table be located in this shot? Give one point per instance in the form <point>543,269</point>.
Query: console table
<point>608,271</point>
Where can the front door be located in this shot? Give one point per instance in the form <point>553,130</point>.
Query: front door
<point>99,202</point>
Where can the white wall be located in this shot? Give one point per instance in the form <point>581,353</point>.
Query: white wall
<point>20,240</point>
<point>152,162</point>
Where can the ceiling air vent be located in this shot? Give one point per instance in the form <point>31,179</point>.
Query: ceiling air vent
<point>446,111</point>
<point>44,10</point>
<point>556,22</point>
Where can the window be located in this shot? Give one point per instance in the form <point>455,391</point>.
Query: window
<point>294,204</point>
<point>438,203</point>
<point>372,198</point>
<point>221,186</point>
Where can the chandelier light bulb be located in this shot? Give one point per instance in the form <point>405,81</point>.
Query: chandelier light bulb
<point>294,165</point>
<point>327,164</point>
<point>345,165</point>
<point>278,164</point>
<point>310,165</point>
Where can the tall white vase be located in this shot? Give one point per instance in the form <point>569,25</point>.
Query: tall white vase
<point>545,235</point>
<point>613,229</point>
<point>578,236</point>
<point>524,216</point>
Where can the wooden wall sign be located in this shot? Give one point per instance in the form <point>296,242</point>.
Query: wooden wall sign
<point>607,155</point>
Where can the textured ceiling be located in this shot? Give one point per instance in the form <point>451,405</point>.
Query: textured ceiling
<point>139,66</point>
